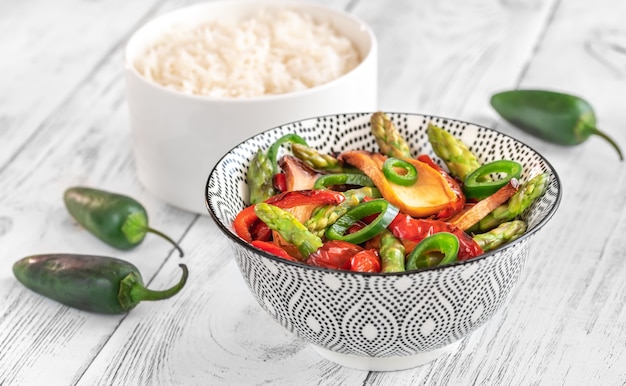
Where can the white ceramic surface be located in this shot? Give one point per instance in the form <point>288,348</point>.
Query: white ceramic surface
<point>177,138</point>
<point>380,321</point>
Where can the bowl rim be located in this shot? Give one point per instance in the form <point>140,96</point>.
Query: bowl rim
<point>457,263</point>
<point>369,56</point>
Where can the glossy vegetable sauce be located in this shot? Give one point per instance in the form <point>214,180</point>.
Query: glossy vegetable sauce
<point>383,211</point>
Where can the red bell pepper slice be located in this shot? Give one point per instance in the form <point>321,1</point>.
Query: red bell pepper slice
<point>246,219</point>
<point>280,182</point>
<point>273,249</point>
<point>415,230</point>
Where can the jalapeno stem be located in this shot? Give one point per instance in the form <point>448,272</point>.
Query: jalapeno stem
<point>610,140</point>
<point>132,291</point>
<point>166,237</point>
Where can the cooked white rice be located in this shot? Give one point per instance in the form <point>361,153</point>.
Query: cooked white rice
<point>273,52</point>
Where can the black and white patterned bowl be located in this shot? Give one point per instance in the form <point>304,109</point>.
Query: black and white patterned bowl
<point>380,321</point>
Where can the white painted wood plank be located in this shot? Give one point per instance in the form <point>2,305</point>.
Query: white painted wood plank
<point>48,49</point>
<point>252,349</point>
<point>84,139</point>
<point>214,333</point>
<point>563,323</point>
<point>446,57</point>
<point>559,326</point>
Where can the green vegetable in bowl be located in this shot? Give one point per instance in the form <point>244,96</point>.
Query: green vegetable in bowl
<point>92,283</point>
<point>385,211</point>
<point>454,153</point>
<point>118,220</point>
<point>389,140</point>
<point>517,204</point>
<point>556,117</point>
<point>437,249</point>
<point>476,186</point>
<point>399,171</point>
<point>504,233</point>
<point>289,227</point>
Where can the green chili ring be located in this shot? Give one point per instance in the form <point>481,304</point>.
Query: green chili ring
<point>428,252</point>
<point>473,187</point>
<point>343,179</point>
<point>272,152</point>
<point>410,172</point>
<point>387,213</point>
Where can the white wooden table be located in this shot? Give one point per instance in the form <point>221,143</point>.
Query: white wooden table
<point>64,122</point>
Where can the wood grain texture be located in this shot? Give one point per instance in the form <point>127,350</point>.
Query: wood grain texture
<point>64,121</point>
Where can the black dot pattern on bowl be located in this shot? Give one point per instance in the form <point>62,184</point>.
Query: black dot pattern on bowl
<point>382,316</point>
<point>379,315</point>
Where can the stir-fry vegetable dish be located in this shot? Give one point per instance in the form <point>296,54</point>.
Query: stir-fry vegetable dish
<point>383,211</point>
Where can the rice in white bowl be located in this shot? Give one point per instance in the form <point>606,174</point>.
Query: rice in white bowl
<point>272,52</point>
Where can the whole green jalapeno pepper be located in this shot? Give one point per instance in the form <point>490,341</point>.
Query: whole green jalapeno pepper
<point>92,283</point>
<point>118,220</point>
<point>556,117</point>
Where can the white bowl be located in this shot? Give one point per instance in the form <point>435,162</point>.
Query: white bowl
<point>178,137</point>
<point>380,321</point>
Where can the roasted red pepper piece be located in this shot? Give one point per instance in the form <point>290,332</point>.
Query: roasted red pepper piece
<point>365,261</point>
<point>280,182</point>
<point>335,254</point>
<point>273,249</point>
<point>246,219</point>
<point>415,230</point>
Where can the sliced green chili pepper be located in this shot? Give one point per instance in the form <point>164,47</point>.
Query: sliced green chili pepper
<point>342,179</point>
<point>437,249</point>
<point>387,213</point>
<point>408,178</point>
<point>476,186</point>
<point>556,117</point>
<point>118,220</point>
<point>272,152</point>
<point>92,283</point>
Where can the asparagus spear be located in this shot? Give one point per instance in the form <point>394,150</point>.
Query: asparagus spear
<point>289,228</point>
<point>457,156</point>
<point>501,235</point>
<point>324,216</point>
<point>387,136</point>
<point>391,252</point>
<point>260,178</point>
<point>517,204</point>
<point>316,160</point>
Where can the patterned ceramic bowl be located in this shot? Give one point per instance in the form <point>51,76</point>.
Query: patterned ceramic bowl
<point>380,321</point>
